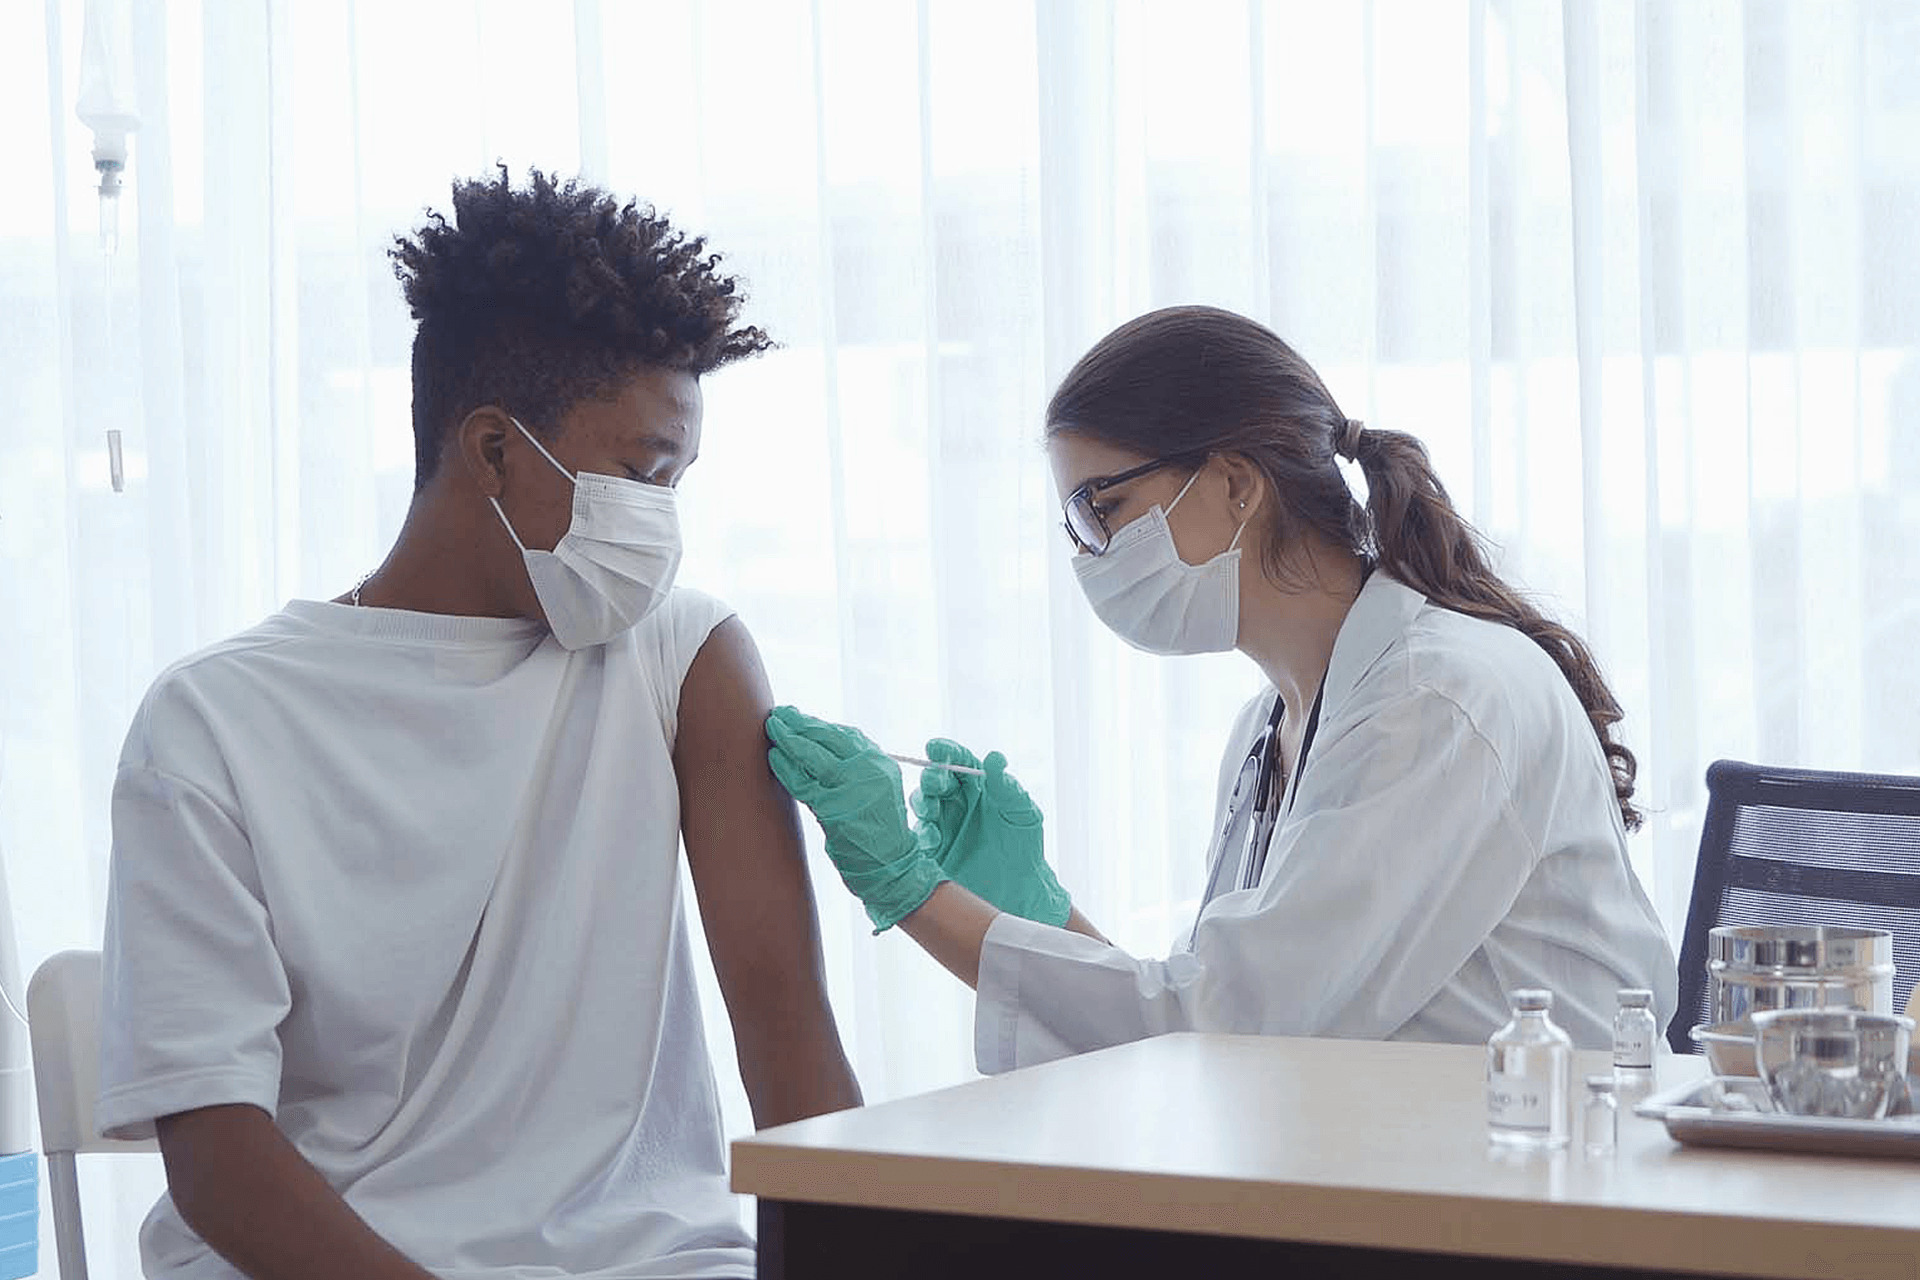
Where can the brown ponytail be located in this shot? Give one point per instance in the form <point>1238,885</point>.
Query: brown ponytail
<point>1193,379</point>
<point>1419,538</point>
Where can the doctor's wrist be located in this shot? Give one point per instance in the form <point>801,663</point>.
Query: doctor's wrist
<point>911,880</point>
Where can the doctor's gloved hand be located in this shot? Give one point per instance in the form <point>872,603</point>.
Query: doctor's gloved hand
<point>986,833</point>
<point>854,791</point>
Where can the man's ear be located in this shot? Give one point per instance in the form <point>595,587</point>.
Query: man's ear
<point>481,441</point>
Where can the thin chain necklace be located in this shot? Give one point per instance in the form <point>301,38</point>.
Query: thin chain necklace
<point>353,596</point>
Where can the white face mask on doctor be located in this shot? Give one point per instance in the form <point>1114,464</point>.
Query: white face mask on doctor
<point>1151,598</point>
<point>1156,601</point>
<point>616,562</point>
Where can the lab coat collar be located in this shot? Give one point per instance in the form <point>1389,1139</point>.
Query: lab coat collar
<point>1380,615</point>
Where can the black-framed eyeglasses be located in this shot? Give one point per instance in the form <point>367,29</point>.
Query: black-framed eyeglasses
<point>1086,524</point>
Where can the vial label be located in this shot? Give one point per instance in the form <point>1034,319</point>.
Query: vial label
<point>1516,1102</point>
<point>1633,1048</point>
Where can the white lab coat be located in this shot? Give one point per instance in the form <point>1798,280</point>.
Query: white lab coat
<point>1454,836</point>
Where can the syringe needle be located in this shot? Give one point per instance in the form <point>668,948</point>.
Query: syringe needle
<point>937,764</point>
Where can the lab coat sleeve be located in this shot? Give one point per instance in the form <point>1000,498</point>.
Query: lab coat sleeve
<point>193,989</point>
<point>1402,855</point>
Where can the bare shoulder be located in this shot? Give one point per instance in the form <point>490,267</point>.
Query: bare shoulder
<point>725,686</point>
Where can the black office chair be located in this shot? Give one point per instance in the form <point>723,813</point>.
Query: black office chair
<point>1802,846</point>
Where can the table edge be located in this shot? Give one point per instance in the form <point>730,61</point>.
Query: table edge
<point>1580,1233</point>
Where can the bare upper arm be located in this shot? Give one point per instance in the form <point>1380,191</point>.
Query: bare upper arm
<point>744,843</point>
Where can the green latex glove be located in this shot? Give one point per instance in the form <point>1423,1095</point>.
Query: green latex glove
<point>854,791</point>
<point>986,833</point>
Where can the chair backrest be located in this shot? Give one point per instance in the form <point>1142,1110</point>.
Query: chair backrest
<point>1802,846</point>
<point>63,1017</point>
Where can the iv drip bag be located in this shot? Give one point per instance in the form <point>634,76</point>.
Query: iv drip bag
<point>108,103</point>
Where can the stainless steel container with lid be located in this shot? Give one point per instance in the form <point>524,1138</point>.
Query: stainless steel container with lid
<point>1757,967</point>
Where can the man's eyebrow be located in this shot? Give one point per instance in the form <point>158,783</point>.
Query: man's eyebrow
<point>661,443</point>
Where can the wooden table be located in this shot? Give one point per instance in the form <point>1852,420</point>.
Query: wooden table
<point>1206,1155</point>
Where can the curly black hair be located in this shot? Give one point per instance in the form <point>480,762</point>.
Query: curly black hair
<point>540,297</point>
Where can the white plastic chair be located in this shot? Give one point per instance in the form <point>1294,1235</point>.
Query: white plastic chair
<point>63,1017</point>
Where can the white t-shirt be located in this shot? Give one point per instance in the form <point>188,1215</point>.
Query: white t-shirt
<point>410,883</point>
<point>1454,835</point>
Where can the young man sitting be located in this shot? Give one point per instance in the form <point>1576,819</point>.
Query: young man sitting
<point>395,964</point>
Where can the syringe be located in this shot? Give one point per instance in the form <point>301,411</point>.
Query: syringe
<point>936,764</point>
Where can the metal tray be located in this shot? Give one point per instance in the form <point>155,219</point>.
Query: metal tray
<point>1700,1113</point>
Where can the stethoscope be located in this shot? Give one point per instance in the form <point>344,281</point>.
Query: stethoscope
<point>1254,797</point>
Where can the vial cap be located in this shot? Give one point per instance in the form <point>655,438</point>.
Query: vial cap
<point>1635,997</point>
<point>1532,999</point>
<point>1599,1084</point>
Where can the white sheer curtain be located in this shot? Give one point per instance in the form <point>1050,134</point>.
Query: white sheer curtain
<point>1644,276</point>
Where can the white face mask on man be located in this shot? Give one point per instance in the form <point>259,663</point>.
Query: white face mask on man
<point>616,562</point>
<point>1151,598</point>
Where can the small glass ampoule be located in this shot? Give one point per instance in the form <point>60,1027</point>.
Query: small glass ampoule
<point>1600,1117</point>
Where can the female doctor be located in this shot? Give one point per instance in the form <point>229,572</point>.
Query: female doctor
<point>1426,809</point>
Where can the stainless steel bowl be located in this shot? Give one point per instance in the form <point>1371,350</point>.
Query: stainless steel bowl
<point>1753,968</point>
<point>1728,1046</point>
<point>1832,1062</point>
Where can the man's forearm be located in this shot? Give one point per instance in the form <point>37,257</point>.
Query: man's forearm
<point>259,1204</point>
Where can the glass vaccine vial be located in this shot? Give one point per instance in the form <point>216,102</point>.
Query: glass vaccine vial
<point>1635,1033</point>
<point>1530,1076</point>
